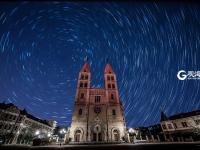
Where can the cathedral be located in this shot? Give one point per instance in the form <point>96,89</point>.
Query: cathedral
<point>98,112</point>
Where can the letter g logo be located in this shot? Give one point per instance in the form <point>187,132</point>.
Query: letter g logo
<point>181,75</point>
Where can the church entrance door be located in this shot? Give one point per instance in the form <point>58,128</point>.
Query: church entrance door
<point>77,136</point>
<point>97,137</point>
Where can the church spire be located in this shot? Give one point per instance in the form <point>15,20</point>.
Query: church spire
<point>108,69</point>
<point>86,66</point>
<point>86,59</point>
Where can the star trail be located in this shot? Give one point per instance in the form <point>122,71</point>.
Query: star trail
<point>43,47</point>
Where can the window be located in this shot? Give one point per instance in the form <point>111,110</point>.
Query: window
<point>112,78</point>
<point>6,116</point>
<point>85,84</point>
<point>113,86</point>
<point>5,127</point>
<point>113,112</point>
<point>97,110</point>
<point>112,97</point>
<point>80,111</point>
<point>82,77</point>
<point>184,124</point>
<point>97,99</point>
<point>108,77</point>
<point>109,86</point>
<point>10,117</point>
<point>15,127</point>
<point>9,127</point>
<point>86,77</point>
<point>170,126</point>
<point>82,95</point>
<point>175,126</point>
<point>81,85</point>
<point>164,126</point>
<point>197,122</point>
<point>14,117</point>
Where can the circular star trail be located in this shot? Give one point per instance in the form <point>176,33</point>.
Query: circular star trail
<point>43,46</point>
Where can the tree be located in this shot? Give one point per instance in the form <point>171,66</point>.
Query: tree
<point>196,133</point>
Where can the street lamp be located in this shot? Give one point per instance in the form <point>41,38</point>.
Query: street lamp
<point>62,131</point>
<point>132,135</point>
<point>37,132</point>
<point>131,130</point>
<point>49,134</point>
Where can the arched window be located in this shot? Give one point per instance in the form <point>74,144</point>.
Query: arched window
<point>112,96</point>
<point>109,86</point>
<point>113,86</point>
<point>113,112</point>
<point>81,85</point>
<point>80,111</point>
<point>108,77</point>
<point>112,78</point>
<point>97,99</point>
<point>82,95</point>
<point>82,77</point>
<point>85,85</point>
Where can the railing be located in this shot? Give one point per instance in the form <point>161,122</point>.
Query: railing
<point>94,143</point>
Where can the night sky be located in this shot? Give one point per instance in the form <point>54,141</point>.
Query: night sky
<point>43,47</point>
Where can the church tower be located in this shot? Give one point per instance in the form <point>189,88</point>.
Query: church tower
<point>116,120</point>
<point>98,112</point>
<point>110,85</point>
<point>79,119</point>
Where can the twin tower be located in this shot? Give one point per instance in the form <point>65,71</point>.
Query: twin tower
<point>98,112</point>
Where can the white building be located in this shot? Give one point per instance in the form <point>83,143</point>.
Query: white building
<point>180,127</point>
<point>17,126</point>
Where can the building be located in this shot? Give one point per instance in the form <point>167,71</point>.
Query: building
<point>98,112</point>
<point>60,135</point>
<point>152,133</point>
<point>18,126</point>
<point>182,126</point>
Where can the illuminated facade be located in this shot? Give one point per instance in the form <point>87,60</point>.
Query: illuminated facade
<point>19,127</point>
<point>98,112</point>
<point>181,127</point>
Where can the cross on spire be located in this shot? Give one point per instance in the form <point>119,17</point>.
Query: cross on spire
<point>86,59</point>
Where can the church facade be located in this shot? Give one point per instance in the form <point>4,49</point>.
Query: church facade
<point>98,112</point>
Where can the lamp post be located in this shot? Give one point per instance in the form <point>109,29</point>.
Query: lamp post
<point>37,132</point>
<point>62,132</point>
<point>131,131</point>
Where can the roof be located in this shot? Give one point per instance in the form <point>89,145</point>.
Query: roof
<point>108,69</point>
<point>37,119</point>
<point>4,105</point>
<point>85,68</point>
<point>184,115</point>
